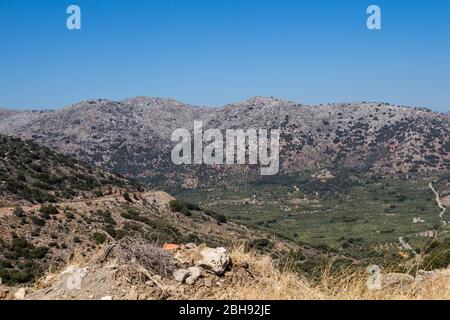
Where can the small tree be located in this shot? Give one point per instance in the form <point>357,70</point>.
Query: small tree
<point>19,212</point>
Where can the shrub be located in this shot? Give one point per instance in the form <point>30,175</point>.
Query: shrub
<point>109,229</point>
<point>99,237</point>
<point>127,197</point>
<point>176,205</point>
<point>48,209</point>
<point>260,244</point>
<point>179,206</point>
<point>37,221</point>
<point>220,218</point>
<point>438,255</point>
<point>69,215</point>
<point>192,206</point>
<point>19,212</point>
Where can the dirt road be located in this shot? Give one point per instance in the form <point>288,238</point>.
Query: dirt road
<point>158,196</point>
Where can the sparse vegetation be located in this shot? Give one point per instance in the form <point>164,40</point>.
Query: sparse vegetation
<point>180,206</point>
<point>21,262</point>
<point>99,237</point>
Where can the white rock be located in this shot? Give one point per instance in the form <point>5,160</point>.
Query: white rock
<point>396,280</point>
<point>180,275</point>
<point>215,259</point>
<point>106,298</point>
<point>194,274</point>
<point>424,275</point>
<point>20,294</point>
<point>208,283</point>
<point>131,295</point>
<point>190,246</point>
<point>73,277</point>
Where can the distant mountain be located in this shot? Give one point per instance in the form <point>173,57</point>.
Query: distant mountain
<point>132,137</point>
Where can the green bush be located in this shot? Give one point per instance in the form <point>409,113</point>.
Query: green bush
<point>99,237</point>
<point>69,215</point>
<point>220,218</point>
<point>437,255</point>
<point>260,244</point>
<point>37,221</point>
<point>19,212</point>
<point>192,206</point>
<point>127,197</point>
<point>48,209</point>
<point>179,206</point>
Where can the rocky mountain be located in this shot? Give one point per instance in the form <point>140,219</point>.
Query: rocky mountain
<point>132,137</point>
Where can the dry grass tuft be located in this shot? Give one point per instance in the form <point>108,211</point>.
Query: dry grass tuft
<point>268,282</point>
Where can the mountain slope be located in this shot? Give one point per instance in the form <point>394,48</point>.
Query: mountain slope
<point>132,137</point>
<point>34,174</point>
<point>52,206</point>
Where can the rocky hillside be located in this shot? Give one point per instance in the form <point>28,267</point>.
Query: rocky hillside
<point>52,207</point>
<point>32,174</point>
<point>132,137</point>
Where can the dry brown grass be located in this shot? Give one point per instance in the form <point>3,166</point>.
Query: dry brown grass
<point>348,284</point>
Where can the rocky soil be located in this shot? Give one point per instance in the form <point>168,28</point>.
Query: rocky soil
<point>139,271</point>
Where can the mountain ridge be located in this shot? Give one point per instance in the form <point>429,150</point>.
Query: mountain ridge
<point>133,136</point>
<point>142,100</point>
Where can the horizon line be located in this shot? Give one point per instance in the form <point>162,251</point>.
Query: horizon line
<point>300,104</point>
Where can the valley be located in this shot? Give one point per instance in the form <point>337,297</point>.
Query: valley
<point>364,220</point>
<point>359,184</point>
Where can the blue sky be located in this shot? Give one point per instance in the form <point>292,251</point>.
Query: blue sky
<point>212,52</point>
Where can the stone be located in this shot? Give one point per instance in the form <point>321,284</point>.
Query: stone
<point>190,246</point>
<point>106,298</point>
<point>142,296</point>
<point>73,277</point>
<point>208,283</point>
<point>194,274</point>
<point>20,294</point>
<point>424,275</point>
<point>396,280</point>
<point>216,259</point>
<point>180,275</point>
<point>131,295</point>
<point>157,278</point>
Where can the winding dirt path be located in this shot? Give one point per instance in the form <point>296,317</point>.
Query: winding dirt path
<point>439,203</point>
<point>405,245</point>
